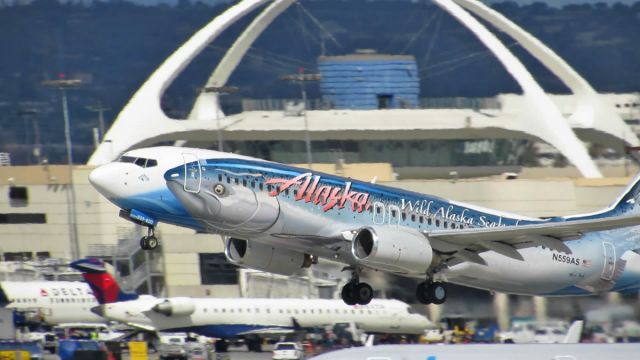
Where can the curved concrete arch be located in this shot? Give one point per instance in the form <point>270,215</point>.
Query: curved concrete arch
<point>590,110</point>
<point>206,103</point>
<point>544,120</point>
<point>142,118</point>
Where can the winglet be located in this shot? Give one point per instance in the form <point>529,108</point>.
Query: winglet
<point>575,333</point>
<point>104,286</point>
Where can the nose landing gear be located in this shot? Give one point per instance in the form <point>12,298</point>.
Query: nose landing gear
<point>429,292</point>
<point>356,292</point>
<point>150,241</point>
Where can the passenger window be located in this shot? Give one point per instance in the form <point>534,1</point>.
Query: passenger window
<point>404,216</point>
<point>413,217</point>
<point>244,182</point>
<point>237,181</point>
<point>393,213</point>
<point>421,218</point>
<point>437,223</point>
<point>219,177</point>
<point>429,221</point>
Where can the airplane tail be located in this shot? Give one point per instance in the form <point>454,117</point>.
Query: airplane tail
<point>627,203</point>
<point>104,286</point>
<point>575,333</point>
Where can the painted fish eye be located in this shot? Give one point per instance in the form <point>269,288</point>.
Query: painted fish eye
<point>219,189</point>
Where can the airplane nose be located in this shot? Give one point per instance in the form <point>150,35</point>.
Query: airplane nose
<point>102,180</point>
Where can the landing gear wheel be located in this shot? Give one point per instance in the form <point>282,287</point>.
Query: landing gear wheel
<point>422,293</point>
<point>363,293</point>
<point>348,293</point>
<point>143,243</point>
<point>150,241</point>
<point>437,292</point>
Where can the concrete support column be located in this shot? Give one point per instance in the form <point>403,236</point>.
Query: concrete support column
<point>435,312</point>
<point>540,308</point>
<point>503,312</point>
<point>614,298</point>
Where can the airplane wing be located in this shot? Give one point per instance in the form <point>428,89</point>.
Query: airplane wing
<point>465,244</point>
<point>141,327</point>
<point>268,331</point>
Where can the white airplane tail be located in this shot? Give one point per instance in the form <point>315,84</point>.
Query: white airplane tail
<point>575,332</point>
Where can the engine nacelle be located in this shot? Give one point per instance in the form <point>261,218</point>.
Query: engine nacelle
<point>395,249</point>
<point>175,307</point>
<point>255,255</point>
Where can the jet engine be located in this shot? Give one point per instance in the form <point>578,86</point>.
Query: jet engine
<point>395,249</point>
<point>255,255</point>
<point>175,307</point>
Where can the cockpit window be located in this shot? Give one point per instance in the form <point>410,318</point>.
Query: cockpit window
<point>127,159</point>
<point>142,162</point>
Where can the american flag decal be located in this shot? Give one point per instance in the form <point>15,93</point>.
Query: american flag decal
<point>586,263</point>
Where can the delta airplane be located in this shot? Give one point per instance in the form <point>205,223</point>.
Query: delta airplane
<point>280,219</point>
<point>54,302</point>
<point>227,318</point>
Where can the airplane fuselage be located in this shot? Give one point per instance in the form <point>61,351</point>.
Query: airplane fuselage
<point>54,302</point>
<point>225,318</point>
<point>309,212</point>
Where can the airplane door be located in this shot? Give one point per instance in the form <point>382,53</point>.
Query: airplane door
<point>192,173</point>
<point>609,261</point>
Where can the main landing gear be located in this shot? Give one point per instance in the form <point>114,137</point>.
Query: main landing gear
<point>150,241</point>
<point>356,292</point>
<point>429,292</point>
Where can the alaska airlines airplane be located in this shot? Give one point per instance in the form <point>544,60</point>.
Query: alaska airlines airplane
<point>281,219</point>
<point>54,302</point>
<point>230,317</point>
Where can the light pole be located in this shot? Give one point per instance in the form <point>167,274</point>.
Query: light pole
<point>301,78</point>
<point>100,110</point>
<point>63,85</point>
<point>219,90</point>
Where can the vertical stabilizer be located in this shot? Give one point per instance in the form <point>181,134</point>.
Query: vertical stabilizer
<point>104,286</point>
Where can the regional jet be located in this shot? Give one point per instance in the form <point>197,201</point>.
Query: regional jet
<point>282,219</point>
<point>231,317</point>
<point>54,302</point>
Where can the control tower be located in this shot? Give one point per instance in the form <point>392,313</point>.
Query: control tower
<point>367,80</point>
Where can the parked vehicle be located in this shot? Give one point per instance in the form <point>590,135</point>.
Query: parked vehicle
<point>172,346</point>
<point>529,331</point>
<point>287,351</point>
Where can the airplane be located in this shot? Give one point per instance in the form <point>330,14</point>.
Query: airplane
<point>282,219</point>
<point>231,317</point>
<point>54,302</point>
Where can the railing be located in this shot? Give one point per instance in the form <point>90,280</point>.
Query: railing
<point>295,105</point>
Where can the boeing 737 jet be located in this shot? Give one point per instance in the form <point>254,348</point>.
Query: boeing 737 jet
<point>281,219</point>
<point>231,317</point>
